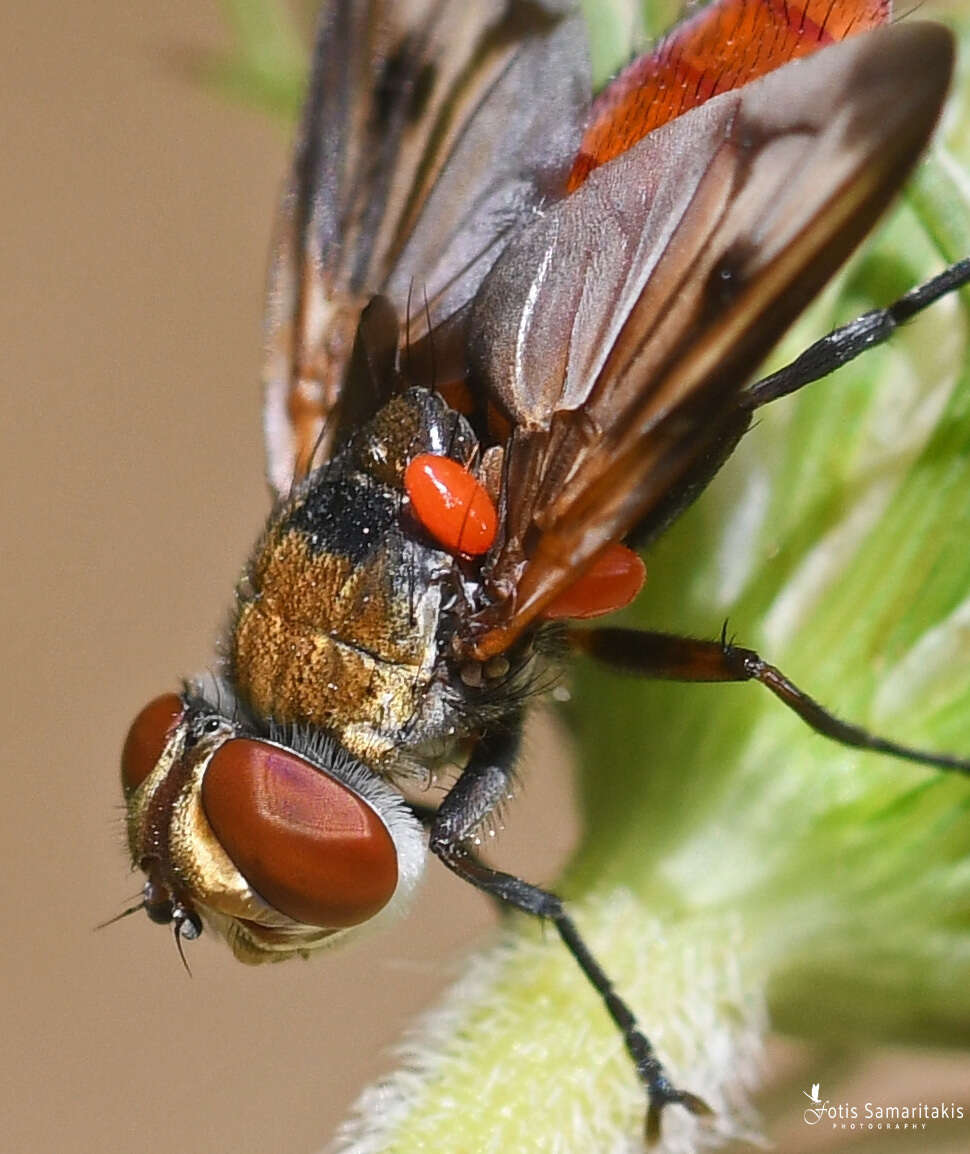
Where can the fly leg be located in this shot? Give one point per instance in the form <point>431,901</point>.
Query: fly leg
<point>663,656</point>
<point>483,786</point>
<point>826,355</point>
<point>844,344</point>
<point>426,815</point>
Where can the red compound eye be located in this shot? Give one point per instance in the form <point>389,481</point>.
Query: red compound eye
<point>451,504</point>
<point>306,844</point>
<point>147,738</point>
<point>611,582</point>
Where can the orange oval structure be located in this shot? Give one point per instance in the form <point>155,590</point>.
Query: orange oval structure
<point>610,583</point>
<point>451,504</point>
<point>147,738</point>
<point>304,842</point>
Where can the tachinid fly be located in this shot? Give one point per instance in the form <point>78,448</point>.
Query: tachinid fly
<point>511,331</point>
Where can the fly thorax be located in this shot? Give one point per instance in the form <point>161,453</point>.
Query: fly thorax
<point>338,623</point>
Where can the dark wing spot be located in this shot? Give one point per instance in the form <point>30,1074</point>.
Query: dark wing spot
<point>727,278</point>
<point>404,84</point>
<point>391,85</point>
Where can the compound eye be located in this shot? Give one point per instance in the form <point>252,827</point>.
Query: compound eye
<point>308,845</point>
<point>147,738</point>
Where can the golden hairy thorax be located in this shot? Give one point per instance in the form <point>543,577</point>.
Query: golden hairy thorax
<point>328,643</point>
<point>339,617</point>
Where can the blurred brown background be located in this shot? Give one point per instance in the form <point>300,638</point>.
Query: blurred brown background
<point>137,210</point>
<point>137,207</point>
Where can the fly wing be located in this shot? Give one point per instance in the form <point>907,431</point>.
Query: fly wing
<point>618,332</point>
<point>720,47</point>
<point>422,145</point>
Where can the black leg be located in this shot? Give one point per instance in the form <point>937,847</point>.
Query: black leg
<point>846,343</point>
<point>426,814</point>
<point>661,655</point>
<point>485,784</point>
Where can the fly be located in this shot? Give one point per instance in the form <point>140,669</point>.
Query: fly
<point>456,484</point>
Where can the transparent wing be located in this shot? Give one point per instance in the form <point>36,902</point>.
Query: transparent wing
<point>422,146</point>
